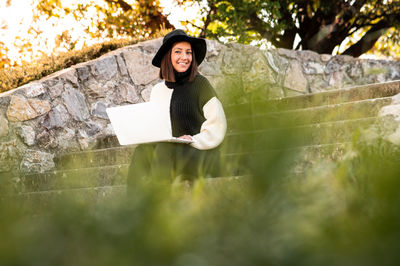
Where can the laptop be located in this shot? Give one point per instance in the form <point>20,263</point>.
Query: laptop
<point>142,123</point>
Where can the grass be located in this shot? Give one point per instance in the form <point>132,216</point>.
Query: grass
<point>14,77</point>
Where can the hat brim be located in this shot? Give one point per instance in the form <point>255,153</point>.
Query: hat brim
<point>198,46</point>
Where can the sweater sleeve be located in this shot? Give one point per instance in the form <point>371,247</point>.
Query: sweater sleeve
<point>213,129</point>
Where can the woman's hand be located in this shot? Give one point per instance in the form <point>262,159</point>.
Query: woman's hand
<point>186,137</point>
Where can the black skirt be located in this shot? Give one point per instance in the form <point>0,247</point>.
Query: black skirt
<point>167,161</point>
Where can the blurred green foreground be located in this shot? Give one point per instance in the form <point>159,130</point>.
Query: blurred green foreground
<point>336,213</point>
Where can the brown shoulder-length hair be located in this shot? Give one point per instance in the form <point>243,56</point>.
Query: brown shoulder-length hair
<point>167,69</point>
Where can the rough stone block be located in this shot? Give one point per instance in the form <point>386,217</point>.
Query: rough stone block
<point>139,66</point>
<point>34,89</point>
<point>56,118</point>
<point>76,104</point>
<point>27,134</point>
<point>295,79</point>
<point>99,110</point>
<point>128,93</point>
<point>104,68</point>
<point>37,161</point>
<point>3,126</point>
<point>21,109</point>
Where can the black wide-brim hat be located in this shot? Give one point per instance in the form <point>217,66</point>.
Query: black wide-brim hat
<point>198,46</point>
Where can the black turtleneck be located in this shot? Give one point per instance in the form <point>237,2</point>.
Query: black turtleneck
<point>187,101</point>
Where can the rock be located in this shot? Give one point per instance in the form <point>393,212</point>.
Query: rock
<point>67,141</point>
<point>3,126</point>
<point>317,83</point>
<point>83,72</point>
<point>326,57</point>
<point>76,105</point>
<point>146,92</point>
<point>122,66</point>
<point>339,79</point>
<point>37,161</point>
<point>27,134</point>
<point>91,128</point>
<point>312,68</point>
<point>9,153</point>
<point>150,46</point>
<point>127,93</point>
<point>21,109</point>
<point>56,90</point>
<point>271,61</point>
<point>139,66</point>
<point>210,68</point>
<point>108,131</point>
<point>70,75</point>
<point>287,53</point>
<point>8,150</point>
<point>393,110</point>
<point>213,48</point>
<point>231,62</point>
<point>307,55</point>
<point>41,107</point>
<point>396,99</point>
<point>295,79</point>
<point>85,142</point>
<point>56,118</point>
<point>97,90</point>
<point>46,140</point>
<point>34,89</point>
<point>99,110</point>
<point>258,76</point>
<point>105,68</point>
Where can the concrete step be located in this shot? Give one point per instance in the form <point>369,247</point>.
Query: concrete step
<point>358,93</point>
<point>75,178</point>
<point>305,135</point>
<point>311,115</point>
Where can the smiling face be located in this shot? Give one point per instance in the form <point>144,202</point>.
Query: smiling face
<point>181,56</point>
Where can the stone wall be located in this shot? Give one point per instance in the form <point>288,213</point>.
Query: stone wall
<point>65,111</point>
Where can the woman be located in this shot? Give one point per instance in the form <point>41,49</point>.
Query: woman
<point>194,111</point>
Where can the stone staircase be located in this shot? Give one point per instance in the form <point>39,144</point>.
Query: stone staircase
<point>324,124</point>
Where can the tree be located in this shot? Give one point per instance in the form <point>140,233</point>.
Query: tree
<point>74,24</point>
<point>114,18</point>
<point>320,25</point>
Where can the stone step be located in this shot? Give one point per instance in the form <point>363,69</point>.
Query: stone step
<point>305,135</point>
<point>264,138</point>
<point>75,178</point>
<point>98,157</point>
<point>371,91</point>
<point>41,201</point>
<point>36,201</point>
<point>298,159</point>
<point>115,175</point>
<point>311,115</point>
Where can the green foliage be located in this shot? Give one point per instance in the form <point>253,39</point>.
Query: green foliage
<point>321,26</point>
<point>343,213</point>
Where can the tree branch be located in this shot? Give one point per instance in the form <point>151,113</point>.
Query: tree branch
<point>369,39</point>
<point>124,5</point>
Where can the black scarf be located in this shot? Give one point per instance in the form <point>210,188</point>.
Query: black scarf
<point>180,79</point>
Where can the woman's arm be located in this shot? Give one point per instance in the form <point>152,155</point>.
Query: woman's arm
<point>212,131</point>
